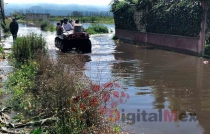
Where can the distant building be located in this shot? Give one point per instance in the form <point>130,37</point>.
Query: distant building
<point>37,16</point>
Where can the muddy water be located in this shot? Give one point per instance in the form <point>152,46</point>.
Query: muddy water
<point>159,83</point>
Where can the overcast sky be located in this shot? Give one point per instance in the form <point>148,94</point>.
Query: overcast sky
<point>81,2</point>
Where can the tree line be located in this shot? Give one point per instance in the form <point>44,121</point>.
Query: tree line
<point>68,13</point>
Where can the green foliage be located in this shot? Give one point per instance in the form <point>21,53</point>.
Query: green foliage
<point>124,16</point>
<point>38,131</point>
<point>1,49</point>
<point>43,87</point>
<point>208,16</point>
<point>1,91</point>
<point>19,15</point>
<point>93,19</point>
<point>207,46</point>
<point>2,53</point>
<point>175,18</point>
<point>207,50</point>
<point>25,47</point>
<point>97,29</point>
<point>20,81</point>
<point>47,26</point>
<point>5,27</point>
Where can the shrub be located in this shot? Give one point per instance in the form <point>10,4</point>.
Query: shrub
<point>20,81</point>
<point>97,29</point>
<point>25,47</point>
<point>43,88</point>
<point>60,89</point>
<point>5,27</point>
<point>47,26</point>
<point>43,25</point>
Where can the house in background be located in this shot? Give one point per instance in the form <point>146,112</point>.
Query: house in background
<point>37,16</point>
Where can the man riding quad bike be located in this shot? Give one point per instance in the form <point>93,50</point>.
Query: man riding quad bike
<point>69,37</point>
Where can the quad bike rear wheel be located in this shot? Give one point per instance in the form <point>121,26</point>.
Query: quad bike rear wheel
<point>87,48</point>
<point>63,47</point>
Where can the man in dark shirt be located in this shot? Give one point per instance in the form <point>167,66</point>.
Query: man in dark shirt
<point>14,28</point>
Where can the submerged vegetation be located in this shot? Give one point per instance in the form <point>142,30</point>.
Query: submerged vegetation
<point>97,29</point>
<point>47,26</point>
<point>56,96</point>
<point>24,48</point>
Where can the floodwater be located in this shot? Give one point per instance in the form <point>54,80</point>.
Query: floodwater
<point>159,83</point>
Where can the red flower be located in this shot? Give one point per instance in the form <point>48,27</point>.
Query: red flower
<point>121,100</point>
<point>174,111</point>
<point>103,110</point>
<point>105,97</point>
<point>85,93</point>
<point>122,94</point>
<point>76,99</point>
<point>96,88</point>
<point>128,96</point>
<point>82,106</point>
<point>124,88</point>
<point>114,115</point>
<point>94,102</point>
<point>116,94</point>
<point>116,85</point>
<point>114,104</point>
<point>73,108</point>
<point>108,85</point>
<point>68,102</point>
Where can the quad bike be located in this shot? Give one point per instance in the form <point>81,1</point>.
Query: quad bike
<point>69,40</point>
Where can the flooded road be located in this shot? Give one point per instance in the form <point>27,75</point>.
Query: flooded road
<point>159,83</point>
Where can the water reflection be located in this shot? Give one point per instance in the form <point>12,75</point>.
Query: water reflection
<point>177,81</point>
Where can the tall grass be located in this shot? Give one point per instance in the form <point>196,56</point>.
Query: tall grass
<point>97,29</point>
<point>25,47</point>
